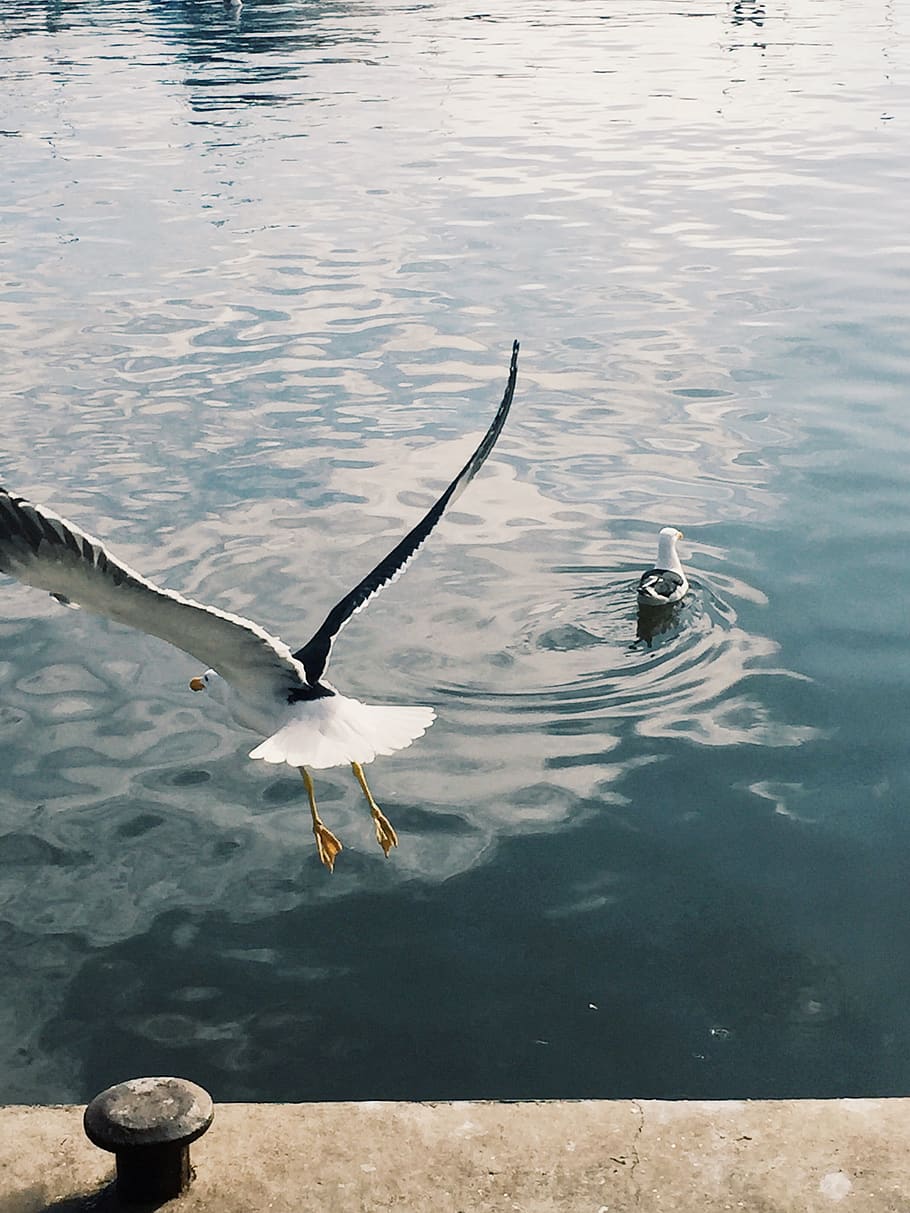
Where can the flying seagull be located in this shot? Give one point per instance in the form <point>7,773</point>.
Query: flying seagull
<point>282,696</point>
<point>666,583</point>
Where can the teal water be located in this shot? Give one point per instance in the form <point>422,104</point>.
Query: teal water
<point>261,270</point>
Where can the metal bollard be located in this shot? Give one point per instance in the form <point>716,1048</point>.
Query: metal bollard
<point>148,1124</point>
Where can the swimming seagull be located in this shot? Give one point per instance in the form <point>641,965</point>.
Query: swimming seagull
<point>666,583</point>
<point>282,696</point>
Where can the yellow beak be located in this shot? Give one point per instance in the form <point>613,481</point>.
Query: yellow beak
<point>196,684</point>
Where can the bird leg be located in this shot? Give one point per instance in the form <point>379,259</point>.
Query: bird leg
<point>327,844</point>
<point>385,834</point>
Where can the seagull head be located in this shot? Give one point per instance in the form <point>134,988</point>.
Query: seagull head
<point>667,557</point>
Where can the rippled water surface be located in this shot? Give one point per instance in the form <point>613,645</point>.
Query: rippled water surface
<point>261,269</point>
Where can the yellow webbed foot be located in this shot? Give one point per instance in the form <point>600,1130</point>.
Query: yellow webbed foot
<point>327,845</point>
<point>385,833</point>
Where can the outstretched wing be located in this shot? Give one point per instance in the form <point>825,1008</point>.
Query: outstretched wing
<point>315,653</point>
<point>42,549</point>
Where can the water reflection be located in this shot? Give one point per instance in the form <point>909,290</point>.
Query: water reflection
<point>748,12</point>
<point>653,622</point>
<point>259,54</point>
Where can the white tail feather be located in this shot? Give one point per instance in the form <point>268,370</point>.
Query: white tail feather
<point>334,731</point>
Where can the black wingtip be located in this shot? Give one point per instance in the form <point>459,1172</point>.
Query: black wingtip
<point>315,653</point>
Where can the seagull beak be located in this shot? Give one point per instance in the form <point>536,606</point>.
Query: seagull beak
<point>680,535</point>
<point>196,684</point>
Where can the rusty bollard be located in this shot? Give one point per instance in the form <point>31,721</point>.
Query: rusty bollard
<point>148,1123</point>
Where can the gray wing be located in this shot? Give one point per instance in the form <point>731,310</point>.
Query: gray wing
<point>315,653</point>
<point>41,549</point>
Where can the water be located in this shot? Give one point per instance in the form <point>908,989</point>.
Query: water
<point>261,272</point>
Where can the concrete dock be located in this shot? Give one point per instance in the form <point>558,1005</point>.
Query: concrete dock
<point>586,1156</point>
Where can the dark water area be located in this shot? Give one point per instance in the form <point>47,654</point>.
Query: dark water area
<point>262,267</point>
